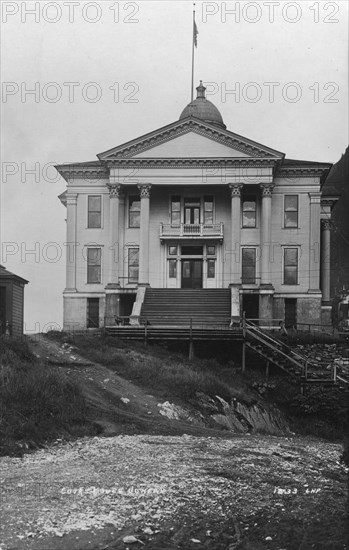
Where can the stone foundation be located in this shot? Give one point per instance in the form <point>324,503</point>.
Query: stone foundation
<point>326,317</point>
<point>75,312</point>
<point>112,307</point>
<point>309,310</point>
<point>266,307</point>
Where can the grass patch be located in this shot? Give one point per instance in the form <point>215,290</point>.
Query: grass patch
<point>38,403</point>
<point>155,367</point>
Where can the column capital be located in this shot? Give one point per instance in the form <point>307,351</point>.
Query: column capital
<point>267,189</point>
<point>315,198</point>
<point>115,190</point>
<point>235,189</point>
<point>71,199</point>
<point>326,225</point>
<point>144,190</point>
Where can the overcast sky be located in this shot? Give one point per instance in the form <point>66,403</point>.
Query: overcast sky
<point>107,72</point>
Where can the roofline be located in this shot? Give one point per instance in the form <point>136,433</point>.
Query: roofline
<point>10,275</point>
<point>182,122</point>
<point>92,163</point>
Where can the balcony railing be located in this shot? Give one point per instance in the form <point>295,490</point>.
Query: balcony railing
<point>212,231</point>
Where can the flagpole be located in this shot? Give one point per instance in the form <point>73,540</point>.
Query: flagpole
<point>192,57</point>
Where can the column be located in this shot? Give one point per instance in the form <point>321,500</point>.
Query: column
<point>71,243</point>
<point>266,233</point>
<point>115,191</point>
<point>325,260</point>
<point>235,259</point>
<point>144,235</point>
<point>314,243</point>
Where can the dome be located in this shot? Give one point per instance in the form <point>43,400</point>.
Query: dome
<point>203,109</point>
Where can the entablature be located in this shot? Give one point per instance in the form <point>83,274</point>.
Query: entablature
<point>202,176</point>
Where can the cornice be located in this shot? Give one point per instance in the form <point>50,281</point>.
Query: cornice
<point>308,172</point>
<point>87,173</point>
<point>197,162</point>
<point>329,201</point>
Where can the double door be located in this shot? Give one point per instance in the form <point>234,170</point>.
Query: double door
<point>191,273</point>
<point>192,211</point>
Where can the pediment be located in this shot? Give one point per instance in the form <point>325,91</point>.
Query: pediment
<point>188,138</point>
<point>189,145</point>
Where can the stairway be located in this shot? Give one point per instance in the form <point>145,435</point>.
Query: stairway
<point>275,351</point>
<point>179,307</point>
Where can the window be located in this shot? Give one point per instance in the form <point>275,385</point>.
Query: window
<point>192,207</point>
<point>172,267</point>
<point>92,312</point>
<point>192,250</point>
<point>94,217</point>
<point>94,265</point>
<point>175,210</point>
<point>211,250</point>
<point>290,266</point>
<point>134,211</point>
<point>172,250</point>
<point>249,212</point>
<point>208,210</point>
<point>211,269</point>
<point>249,266</point>
<point>291,211</point>
<point>133,265</point>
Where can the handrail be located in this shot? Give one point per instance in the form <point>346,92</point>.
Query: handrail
<point>293,357</point>
<point>298,364</point>
<point>274,340</point>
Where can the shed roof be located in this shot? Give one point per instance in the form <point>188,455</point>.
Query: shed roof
<point>5,274</point>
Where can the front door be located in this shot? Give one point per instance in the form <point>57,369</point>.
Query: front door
<point>92,312</point>
<point>191,273</point>
<point>290,312</point>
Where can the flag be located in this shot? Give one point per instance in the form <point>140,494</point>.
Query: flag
<point>195,35</point>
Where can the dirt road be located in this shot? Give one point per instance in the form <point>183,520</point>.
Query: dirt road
<point>175,492</point>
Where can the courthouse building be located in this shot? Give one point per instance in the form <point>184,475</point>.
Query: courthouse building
<point>195,207</point>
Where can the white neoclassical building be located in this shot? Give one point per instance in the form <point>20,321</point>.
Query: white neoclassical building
<point>192,206</point>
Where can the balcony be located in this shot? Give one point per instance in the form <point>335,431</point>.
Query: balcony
<point>192,231</point>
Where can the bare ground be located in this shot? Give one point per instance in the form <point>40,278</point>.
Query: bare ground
<point>176,492</point>
<point>209,489</point>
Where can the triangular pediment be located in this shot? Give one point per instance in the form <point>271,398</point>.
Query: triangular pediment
<point>190,145</point>
<point>190,138</point>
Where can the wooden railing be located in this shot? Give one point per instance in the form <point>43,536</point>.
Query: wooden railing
<point>278,352</point>
<point>191,230</point>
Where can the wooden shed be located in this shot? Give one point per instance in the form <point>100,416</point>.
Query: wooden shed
<point>11,302</point>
